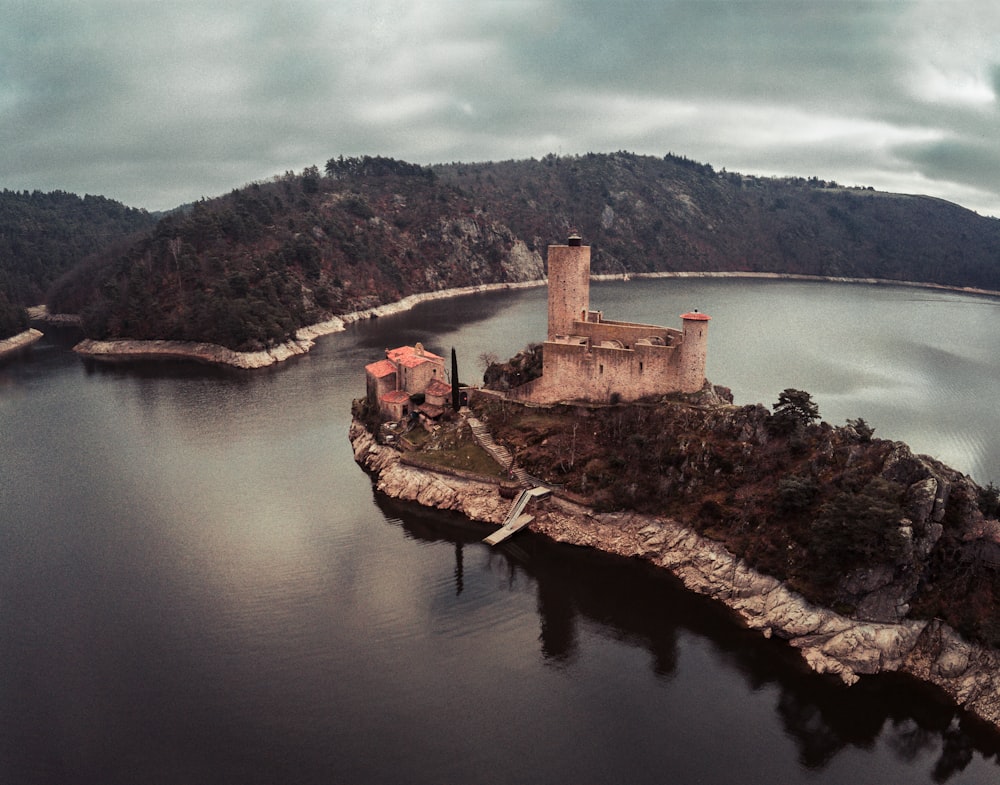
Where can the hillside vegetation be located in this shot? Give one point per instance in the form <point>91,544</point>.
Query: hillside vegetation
<point>246,269</point>
<point>852,522</point>
<point>42,235</point>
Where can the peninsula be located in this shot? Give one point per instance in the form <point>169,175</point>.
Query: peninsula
<point>863,556</point>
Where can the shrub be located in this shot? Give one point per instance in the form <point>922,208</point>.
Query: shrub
<point>988,500</point>
<point>861,428</point>
<point>796,494</point>
<point>856,530</point>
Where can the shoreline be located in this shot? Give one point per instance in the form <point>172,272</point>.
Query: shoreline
<point>802,277</point>
<point>829,643</point>
<point>16,343</point>
<point>40,313</point>
<point>124,350</point>
<point>127,351</point>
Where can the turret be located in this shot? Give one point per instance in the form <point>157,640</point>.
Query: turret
<point>569,285</point>
<point>694,351</point>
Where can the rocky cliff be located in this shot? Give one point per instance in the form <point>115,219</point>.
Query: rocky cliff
<point>828,641</point>
<point>477,500</point>
<point>850,521</point>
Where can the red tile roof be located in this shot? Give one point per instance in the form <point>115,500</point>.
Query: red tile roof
<point>412,360</point>
<point>380,368</point>
<point>696,317</point>
<point>396,396</point>
<point>408,356</point>
<point>438,387</point>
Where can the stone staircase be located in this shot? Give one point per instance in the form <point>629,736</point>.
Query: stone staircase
<point>498,453</point>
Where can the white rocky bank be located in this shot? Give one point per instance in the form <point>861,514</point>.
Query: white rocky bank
<point>18,342</point>
<point>828,641</point>
<point>304,337</point>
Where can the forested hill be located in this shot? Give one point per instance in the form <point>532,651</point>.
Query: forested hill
<point>244,270</point>
<point>42,235</point>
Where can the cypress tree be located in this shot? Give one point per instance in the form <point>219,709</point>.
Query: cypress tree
<point>455,399</point>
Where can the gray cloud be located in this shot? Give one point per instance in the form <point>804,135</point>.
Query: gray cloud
<point>973,162</point>
<point>160,103</point>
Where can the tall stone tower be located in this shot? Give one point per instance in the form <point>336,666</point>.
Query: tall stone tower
<point>569,285</point>
<point>694,351</point>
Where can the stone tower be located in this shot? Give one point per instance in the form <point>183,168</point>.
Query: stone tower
<point>569,285</point>
<point>694,351</point>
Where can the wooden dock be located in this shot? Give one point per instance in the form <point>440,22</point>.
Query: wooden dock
<point>516,519</point>
<point>509,529</point>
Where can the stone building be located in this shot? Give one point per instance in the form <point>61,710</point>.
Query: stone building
<point>588,357</point>
<point>402,381</point>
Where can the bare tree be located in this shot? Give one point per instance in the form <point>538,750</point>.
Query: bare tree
<point>486,359</point>
<point>174,244</point>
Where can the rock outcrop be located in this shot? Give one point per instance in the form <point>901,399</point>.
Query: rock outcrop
<point>828,641</point>
<point>478,500</point>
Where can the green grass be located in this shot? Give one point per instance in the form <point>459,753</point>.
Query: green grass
<point>469,457</point>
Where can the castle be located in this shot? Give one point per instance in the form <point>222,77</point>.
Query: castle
<point>585,357</point>
<point>588,357</point>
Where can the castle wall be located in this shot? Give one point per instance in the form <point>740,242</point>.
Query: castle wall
<point>569,286</point>
<point>571,371</point>
<point>377,386</point>
<point>415,379</point>
<point>625,332</point>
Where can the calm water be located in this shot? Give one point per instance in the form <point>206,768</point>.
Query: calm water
<point>197,584</point>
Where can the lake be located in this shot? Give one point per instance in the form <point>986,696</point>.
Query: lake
<point>198,585</point>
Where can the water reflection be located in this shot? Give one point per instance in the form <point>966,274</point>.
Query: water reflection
<point>196,585</point>
<point>632,602</point>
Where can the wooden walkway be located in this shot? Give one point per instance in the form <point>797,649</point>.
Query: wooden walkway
<point>516,519</point>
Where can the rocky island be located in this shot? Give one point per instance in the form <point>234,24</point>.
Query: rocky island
<point>895,610</point>
<point>865,557</point>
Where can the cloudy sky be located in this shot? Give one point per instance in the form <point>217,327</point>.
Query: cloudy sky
<point>157,103</point>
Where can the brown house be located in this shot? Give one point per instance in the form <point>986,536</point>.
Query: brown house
<point>408,377</point>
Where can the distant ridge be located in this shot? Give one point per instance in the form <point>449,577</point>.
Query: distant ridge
<point>42,235</point>
<point>246,269</point>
